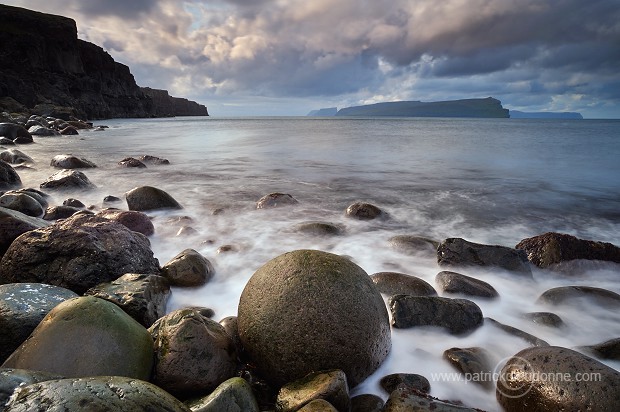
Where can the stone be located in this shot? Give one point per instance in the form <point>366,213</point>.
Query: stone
<point>96,394</point>
<point>414,245</point>
<point>367,403</point>
<point>610,349</point>
<point>154,160</point>
<point>275,200</point>
<point>73,202</point>
<point>318,405</point>
<point>11,379</point>
<point>12,131</point>
<point>531,339</point>
<point>87,336</point>
<point>194,354</point>
<point>22,307</point>
<point>42,131</point>
<point>553,378</point>
<point>143,297</point>
<point>550,249</point>
<point>232,395</point>
<point>391,382</point>
<point>21,202</point>
<point>330,386</point>
<point>67,179</point>
<point>394,283</point>
<point>9,179</point>
<point>573,295</point>
<point>134,220</point>
<point>319,229</point>
<point>404,400</point>
<point>545,318</point>
<point>146,198</point>
<point>457,252</point>
<point>364,211</point>
<point>67,161</point>
<point>131,162</point>
<point>61,212</point>
<point>14,156</point>
<point>315,303</point>
<point>37,195</point>
<point>230,325</point>
<point>6,142</point>
<point>456,283</point>
<point>474,363</point>
<point>188,268</point>
<point>69,131</point>
<point>13,224</point>
<point>77,253</point>
<point>458,316</point>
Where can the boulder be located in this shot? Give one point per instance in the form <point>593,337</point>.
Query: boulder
<point>391,382</point>
<point>193,353</point>
<point>407,400</point>
<point>474,363</point>
<point>188,268</point>
<point>69,131</point>
<point>230,325</point>
<point>364,211</point>
<point>154,160</point>
<point>11,379</point>
<point>458,316</point>
<point>77,253</point>
<point>414,245</point>
<point>367,403</point>
<point>42,131</point>
<point>67,179</point>
<point>14,156</point>
<point>545,318</point>
<point>21,202</point>
<point>573,295</point>
<point>12,131</point>
<point>610,349</point>
<point>22,307</point>
<point>134,220</point>
<point>232,395</point>
<point>457,252</point>
<point>143,297</point>
<point>13,224</point>
<point>61,212</point>
<point>319,229</point>
<point>131,162</point>
<point>553,378</point>
<point>550,249</point>
<point>327,385</point>
<point>6,142</point>
<point>86,336</point>
<point>68,161</point>
<point>101,393</point>
<point>9,178</point>
<point>452,282</point>
<point>146,198</point>
<point>73,202</point>
<point>531,339</point>
<point>394,283</point>
<point>318,405</point>
<point>315,303</point>
<point>38,195</point>
<point>275,200</point>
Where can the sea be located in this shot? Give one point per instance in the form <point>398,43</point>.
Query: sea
<point>492,181</point>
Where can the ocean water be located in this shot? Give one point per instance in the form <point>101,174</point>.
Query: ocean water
<point>493,181</point>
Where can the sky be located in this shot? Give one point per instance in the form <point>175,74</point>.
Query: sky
<point>287,57</point>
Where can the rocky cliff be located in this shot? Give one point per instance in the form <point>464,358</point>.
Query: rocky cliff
<point>44,67</point>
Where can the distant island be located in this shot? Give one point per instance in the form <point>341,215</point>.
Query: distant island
<point>329,111</point>
<point>515,114</point>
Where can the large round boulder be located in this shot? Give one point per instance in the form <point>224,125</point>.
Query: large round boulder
<point>67,161</point>
<point>145,198</point>
<point>13,224</point>
<point>553,378</point>
<point>308,310</point>
<point>87,336</point>
<point>9,178</point>
<point>22,202</point>
<point>134,220</point>
<point>188,268</point>
<point>67,179</point>
<point>77,253</point>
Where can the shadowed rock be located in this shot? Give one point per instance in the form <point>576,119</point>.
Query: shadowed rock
<point>609,349</point>
<point>234,394</point>
<point>452,282</point>
<point>68,161</point>
<point>21,202</point>
<point>531,339</point>
<point>394,283</point>
<point>364,211</point>
<point>414,245</point>
<point>146,198</point>
<point>11,379</point>
<point>9,179</point>
<point>390,383</point>
<point>572,295</point>
<point>67,179</point>
<point>13,224</point>
<point>472,362</point>
<point>132,162</point>
<point>327,385</point>
<point>275,200</point>
<point>408,400</point>
<point>367,403</point>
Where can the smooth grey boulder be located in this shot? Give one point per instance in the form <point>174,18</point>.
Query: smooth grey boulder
<point>391,382</point>
<point>456,283</point>
<point>77,253</point>
<point>610,349</point>
<point>132,162</point>
<point>9,179</point>
<point>12,131</point>
<point>511,330</point>
<point>394,283</point>
<point>364,211</point>
<point>134,220</point>
<point>232,395</point>
<point>327,385</point>
<point>94,394</point>
<point>22,307</point>
<point>458,316</point>
<point>147,198</point>
<point>67,179</point>
<point>42,131</point>
<point>457,252</point>
<point>22,202</point>
<point>13,224</point>
<point>319,229</point>
<point>315,303</point>
<point>87,336</point>
<point>194,354</point>
<point>68,161</point>
<point>574,295</point>
<point>407,400</point>
<point>275,200</point>
<point>37,195</point>
<point>188,268</point>
<point>143,297</point>
<point>414,245</point>
<point>474,363</point>
<point>545,318</point>
<point>14,156</point>
<point>11,379</point>
<point>553,378</point>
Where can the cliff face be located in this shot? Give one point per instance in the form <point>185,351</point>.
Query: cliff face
<point>166,105</point>
<point>42,62</point>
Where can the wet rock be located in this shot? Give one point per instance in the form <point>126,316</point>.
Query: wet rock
<point>102,393</point>
<point>69,131</point>
<point>553,378</point>
<point>193,353</point>
<point>22,307</point>
<point>186,231</point>
<point>11,379</point>
<point>318,405</point>
<point>458,316</point>
<point>38,195</point>
<point>319,229</point>
<point>67,179</point>
<point>474,363</point>
<point>452,282</point>
<point>21,202</point>
<point>406,400</point>
<point>390,383</point>
<point>303,302</point>
<point>550,249</point>
<point>573,295</point>
<point>9,178</point>
<point>330,386</point>
<point>367,403</point>
<point>394,283</point>
<point>531,339</point>
<point>414,245</point>
<point>111,199</point>
<point>68,161</point>
<point>457,252</point>
<point>42,131</point>
<point>13,224</point>
<point>188,268</point>
<point>234,394</point>
<point>6,142</point>
<point>12,131</point>
<point>60,212</point>
<point>609,349</point>
<point>143,297</point>
<point>364,211</point>
<point>86,336</point>
<point>136,221</point>
<point>14,156</point>
<point>77,253</point>
<point>230,325</point>
<point>154,160</point>
<point>146,198</point>
<point>227,249</point>
<point>275,200</point>
<point>131,162</point>
<point>73,203</point>
<point>546,319</point>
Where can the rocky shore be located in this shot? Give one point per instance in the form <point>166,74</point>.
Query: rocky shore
<point>84,323</point>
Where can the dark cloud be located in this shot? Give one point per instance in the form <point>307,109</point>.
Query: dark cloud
<point>129,9</point>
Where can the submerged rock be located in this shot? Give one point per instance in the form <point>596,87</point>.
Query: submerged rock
<point>319,229</point>
<point>60,212</point>
<point>146,198</point>
<point>545,318</point>
<point>531,339</point>
<point>414,245</point>
<point>572,295</point>
<point>394,283</point>
<point>275,200</point>
<point>364,211</point>
<point>132,162</point>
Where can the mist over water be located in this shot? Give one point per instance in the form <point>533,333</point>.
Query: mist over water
<point>492,181</point>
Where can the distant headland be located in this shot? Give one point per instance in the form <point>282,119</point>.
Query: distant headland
<point>47,70</point>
